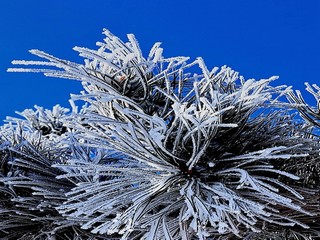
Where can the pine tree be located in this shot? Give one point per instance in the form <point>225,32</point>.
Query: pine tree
<point>163,148</point>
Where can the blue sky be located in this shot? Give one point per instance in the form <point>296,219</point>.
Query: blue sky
<point>258,38</point>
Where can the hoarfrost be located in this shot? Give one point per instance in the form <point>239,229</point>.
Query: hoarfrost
<point>160,152</point>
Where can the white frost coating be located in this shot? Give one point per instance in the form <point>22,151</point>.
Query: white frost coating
<point>157,55</point>
<point>153,50</point>
<point>23,62</point>
<point>135,46</point>
<point>162,149</point>
<point>128,58</point>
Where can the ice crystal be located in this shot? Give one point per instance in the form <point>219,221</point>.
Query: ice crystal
<point>164,148</point>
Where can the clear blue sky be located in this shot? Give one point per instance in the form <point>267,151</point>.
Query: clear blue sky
<point>258,38</point>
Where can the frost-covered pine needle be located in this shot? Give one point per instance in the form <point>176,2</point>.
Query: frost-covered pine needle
<point>164,148</point>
